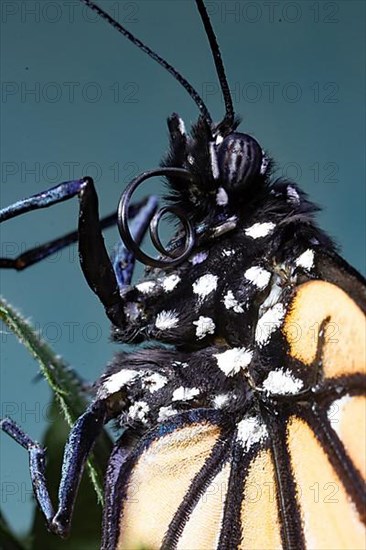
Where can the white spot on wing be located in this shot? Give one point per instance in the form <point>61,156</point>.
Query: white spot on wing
<point>221,197</point>
<point>205,325</point>
<point>205,285</point>
<point>259,230</point>
<point>306,259</point>
<point>258,276</point>
<point>184,394</point>
<point>282,382</point>
<point>231,302</point>
<point>170,282</point>
<point>165,412</point>
<point>251,430</point>
<point>268,323</point>
<point>233,360</point>
<point>166,320</point>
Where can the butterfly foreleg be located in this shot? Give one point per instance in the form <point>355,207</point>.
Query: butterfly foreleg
<point>104,278</point>
<point>80,442</point>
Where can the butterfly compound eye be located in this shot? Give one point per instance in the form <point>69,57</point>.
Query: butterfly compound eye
<point>240,159</point>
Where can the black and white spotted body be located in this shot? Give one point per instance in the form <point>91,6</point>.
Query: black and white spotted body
<point>235,359</point>
<point>223,308</point>
<point>220,310</point>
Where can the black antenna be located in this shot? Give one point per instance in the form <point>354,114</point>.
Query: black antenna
<point>215,50</point>
<point>192,92</point>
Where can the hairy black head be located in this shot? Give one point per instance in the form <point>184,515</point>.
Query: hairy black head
<point>228,169</point>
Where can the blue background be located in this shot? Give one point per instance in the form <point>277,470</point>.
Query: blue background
<point>297,72</point>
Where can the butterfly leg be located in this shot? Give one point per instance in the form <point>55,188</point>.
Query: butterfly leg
<point>80,441</point>
<point>36,465</point>
<point>105,279</point>
<point>94,259</point>
<point>123,260</point>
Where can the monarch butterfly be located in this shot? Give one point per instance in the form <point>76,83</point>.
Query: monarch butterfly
<point>291,528</point>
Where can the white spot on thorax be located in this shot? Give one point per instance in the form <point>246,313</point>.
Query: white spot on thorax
<point>184,394</point>
<point>335,410</point>
<point>231,302</point>
<point>306,259</point>
<point>251,430</point>
<point>199,258</point>
<point>154,382</point>
<point>282,382</point>
<point>117,381</point>
<point>273,296</point>
<point>259,230</point>
<point>220,400</point>
<point>146,287</point>
<point>233,360</point>
<point>170,282</point>
<point>165,412</point>
<point>138,411</point>
<point>221,197</point>
<point>166,320</point>
<point>205,285</point>
<point>205,325</point>
<point>228,252</point>
<point>258,276</point>
<point>268,323</point>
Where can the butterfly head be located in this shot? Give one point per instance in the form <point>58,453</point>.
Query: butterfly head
<point>226,167</point>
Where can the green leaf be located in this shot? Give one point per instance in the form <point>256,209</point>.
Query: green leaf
<point>68,389</point>
<point>63,380</point>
